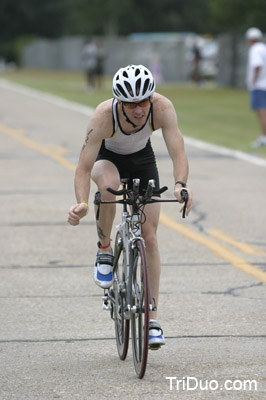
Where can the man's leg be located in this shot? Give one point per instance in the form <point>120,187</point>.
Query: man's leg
<point>152,212</point>
<point>261,114</point>
<point>105,175</point>
<point>258,104</point>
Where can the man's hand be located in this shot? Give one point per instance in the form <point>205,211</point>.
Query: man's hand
<point>77,212</point>
<point>177,194</point>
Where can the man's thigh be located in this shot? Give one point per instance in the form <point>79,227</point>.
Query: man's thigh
<point>104,173</point>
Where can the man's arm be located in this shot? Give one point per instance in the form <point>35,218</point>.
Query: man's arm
<point>98,129</point>
<point>175,146</point>
<point>87,158</point>
<point>256,74</point>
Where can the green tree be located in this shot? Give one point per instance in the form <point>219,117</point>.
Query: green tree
<point>54,18</point>
<point>236,15</point>
<point>31,17</point>
<point>28,18</point>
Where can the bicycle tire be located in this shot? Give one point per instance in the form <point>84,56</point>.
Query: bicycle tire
<point>140,317</point>
<point>119,290</point>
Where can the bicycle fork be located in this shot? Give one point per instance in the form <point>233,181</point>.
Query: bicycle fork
<point>108,298</point>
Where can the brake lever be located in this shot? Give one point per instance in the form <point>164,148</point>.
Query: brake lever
<point>97,202</point>
<point>184,195</point>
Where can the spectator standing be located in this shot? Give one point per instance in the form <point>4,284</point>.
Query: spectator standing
<point>89,62</point>
<point>99,68</point>
<point>196,75</point>
<point>256,79</point>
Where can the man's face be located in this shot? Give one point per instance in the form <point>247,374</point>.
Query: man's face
<point>250,42</point>
<point>137,111</point>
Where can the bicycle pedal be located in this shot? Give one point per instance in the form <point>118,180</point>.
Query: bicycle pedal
<point>106,303</point>
<point>155,346</point>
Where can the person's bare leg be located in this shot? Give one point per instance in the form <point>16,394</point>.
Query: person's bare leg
<point>261,114</point>
<point>152,212</point>
<point>105,175</point>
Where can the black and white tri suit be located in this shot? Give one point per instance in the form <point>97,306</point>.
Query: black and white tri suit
<point>132,154</point>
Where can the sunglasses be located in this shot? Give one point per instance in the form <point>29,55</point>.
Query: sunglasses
<point>142,104</point>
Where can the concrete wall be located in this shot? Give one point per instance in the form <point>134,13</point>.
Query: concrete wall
<point>172,51</point>
<point>65,53</point>
<point>232,59</point>
<point>233,54</point>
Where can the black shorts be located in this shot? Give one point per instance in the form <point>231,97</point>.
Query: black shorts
<point>141,164</point>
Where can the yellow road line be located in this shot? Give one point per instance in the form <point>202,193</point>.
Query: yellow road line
<point>244,247</point>
<point>218,249</point>
<point>55,153</point>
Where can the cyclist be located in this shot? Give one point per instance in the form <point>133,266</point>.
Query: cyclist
<point>117,145</point>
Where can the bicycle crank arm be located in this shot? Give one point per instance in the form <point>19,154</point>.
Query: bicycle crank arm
<point>106,303</point>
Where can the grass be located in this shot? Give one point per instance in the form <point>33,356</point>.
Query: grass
<point>217,115</point>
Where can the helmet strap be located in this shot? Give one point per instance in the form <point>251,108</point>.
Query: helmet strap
<point>127,119</point>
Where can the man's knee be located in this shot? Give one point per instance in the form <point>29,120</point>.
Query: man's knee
<point>105,174</point>
<point>105,181</point>
<point>151,242</point>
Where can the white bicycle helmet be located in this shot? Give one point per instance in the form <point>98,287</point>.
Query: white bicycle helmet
<point>133,83</point>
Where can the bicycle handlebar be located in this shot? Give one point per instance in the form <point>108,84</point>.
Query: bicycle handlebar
<point>134,197</point>
<point>116,192</point>
<point>122,191</point>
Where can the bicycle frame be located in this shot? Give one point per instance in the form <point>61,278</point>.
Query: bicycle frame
<point>130,227</point>
<point>130,231</point>
<point>129,298</point>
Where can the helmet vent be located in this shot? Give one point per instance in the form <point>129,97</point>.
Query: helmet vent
<point>137,72</point>
<point>121,90</point>
<point>138,83</point>
<point>129,88</point>
<point>146,85</point>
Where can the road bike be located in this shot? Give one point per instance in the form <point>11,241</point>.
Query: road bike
<point>129,300</point>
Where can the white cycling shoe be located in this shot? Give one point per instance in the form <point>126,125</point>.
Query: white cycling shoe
<point>103,270</point>
<point>156,338</point>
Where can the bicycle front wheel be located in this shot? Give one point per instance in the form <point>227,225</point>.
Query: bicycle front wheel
<point>119,306</point>
<point>140,309</point>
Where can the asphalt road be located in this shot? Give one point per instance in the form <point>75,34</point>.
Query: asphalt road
<point>56,342</point>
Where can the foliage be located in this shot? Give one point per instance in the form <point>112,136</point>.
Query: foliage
<point>51,18</point>
<point>93,17</point>
<point>237,15</point>
<point>29,17</point>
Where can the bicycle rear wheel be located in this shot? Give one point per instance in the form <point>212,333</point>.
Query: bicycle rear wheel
<point>140,314</point>
<point>119,291</point>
